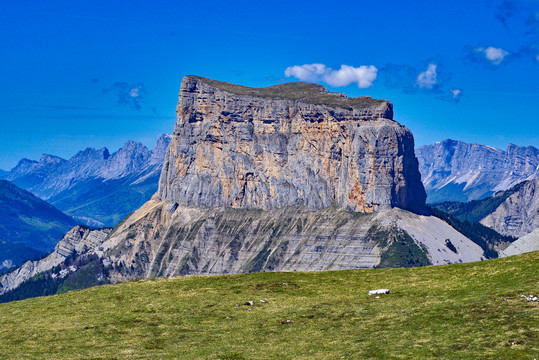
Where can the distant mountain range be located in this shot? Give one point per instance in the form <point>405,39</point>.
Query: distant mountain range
<point>453,170</point>
<point>3,174</point>
<point>95,187</point>
<point>28,222</point>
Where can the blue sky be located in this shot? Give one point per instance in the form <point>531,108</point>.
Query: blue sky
<point>83,74</point>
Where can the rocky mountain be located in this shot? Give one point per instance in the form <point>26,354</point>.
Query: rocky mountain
<point>518,215</point>
<point>77,241</point>
<point>457,171</point>
<point>525,244</point>
<point>94,186</point>
<point>289,177</point>
<point>28,173</point>
<point>3,174</point>
<point>288,145</point>
<point>164,240</point>
<point>512,213</point>
<point>27,220</point>
<point>284,178</point>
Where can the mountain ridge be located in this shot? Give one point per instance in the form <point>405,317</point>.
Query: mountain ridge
<point>27,220</point>
<point>95,186</point>
<point>453,170</point>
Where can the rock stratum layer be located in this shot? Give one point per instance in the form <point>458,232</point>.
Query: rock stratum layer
<point>518,215</point>
<point>288,145</point>
<point>163,239</point>
<point>77,241</point>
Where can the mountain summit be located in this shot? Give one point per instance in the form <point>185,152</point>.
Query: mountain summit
<point>287,145</point>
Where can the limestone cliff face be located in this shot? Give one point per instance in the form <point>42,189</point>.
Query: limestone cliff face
<point>287,145</point>
<point>518,215</point>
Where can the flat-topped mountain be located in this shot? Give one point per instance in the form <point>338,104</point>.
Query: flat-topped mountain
<point>288,145</point>
<point>270,180</point>
<point>285,178</point>
<point>457,171</point>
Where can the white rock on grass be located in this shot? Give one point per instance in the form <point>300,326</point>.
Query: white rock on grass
<point>378,291</point>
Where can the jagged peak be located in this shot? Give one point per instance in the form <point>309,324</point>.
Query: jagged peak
<point>47,158</point>
<point>162,142</point>
<point>25,161</point>
<point>131,145</point>
<point>92,152</point>
<point>512,147</point>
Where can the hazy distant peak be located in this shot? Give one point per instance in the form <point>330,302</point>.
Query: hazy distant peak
<point>158,152</point>
<point>25,162</point>
<point>92,153</point>
<point>48,159</point>
<point>458,171</point>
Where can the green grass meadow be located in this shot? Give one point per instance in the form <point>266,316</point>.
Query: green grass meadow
<point>463,311</point>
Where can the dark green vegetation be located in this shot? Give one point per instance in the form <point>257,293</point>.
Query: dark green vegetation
<point>27,220</point>
<point>400,250</point>
<point>91,273</point>
<point>107,201</point>
<point>483,236</point>
<point>475,210</point>
<point>450,246</point>
<point>306,92</point>
<point>462,311</point>
<point>17,253</point>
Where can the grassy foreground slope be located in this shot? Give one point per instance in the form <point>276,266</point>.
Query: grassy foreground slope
<point>464,311</point>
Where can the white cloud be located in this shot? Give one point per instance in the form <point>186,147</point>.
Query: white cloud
<point>492,54</point>
<point>346,75</point>
<point>428,78</point>
<point>307,72</point>
<point>363,76</point>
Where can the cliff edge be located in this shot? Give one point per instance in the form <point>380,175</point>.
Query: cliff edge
<point>288,145</point>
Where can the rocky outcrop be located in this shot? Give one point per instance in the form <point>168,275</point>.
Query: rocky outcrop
<point>287,145</point>
<point>518,215</point>
<point>166,239</point>
<point>525,244</point>
<point>77,241</point>
<point>28,173</point>
<point>457,171</point>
